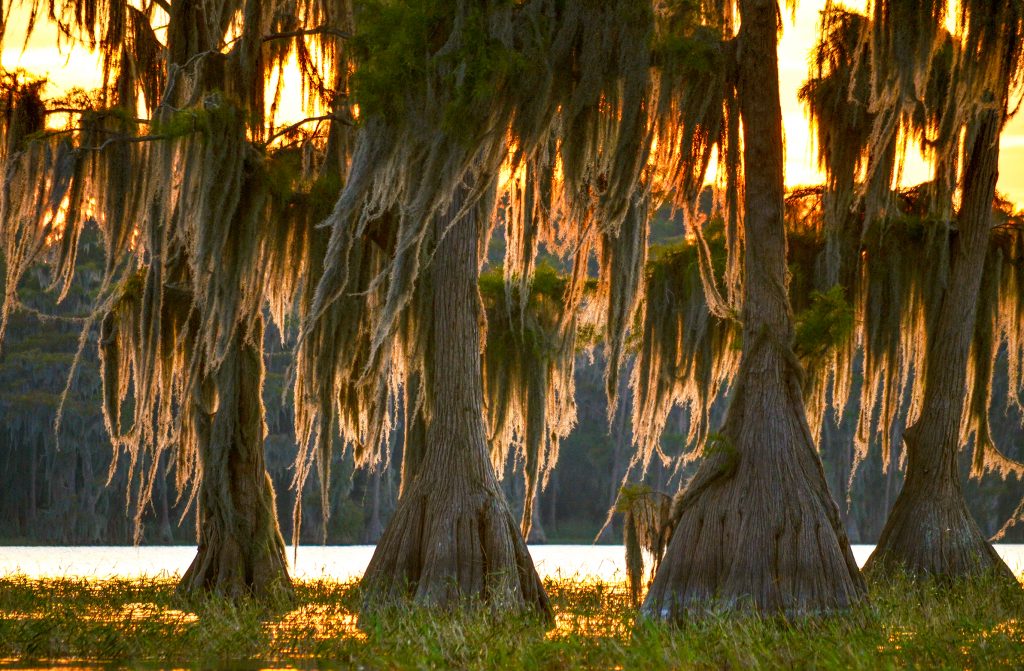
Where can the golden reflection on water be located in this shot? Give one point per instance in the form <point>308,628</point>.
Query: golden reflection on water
<point>599,610</point>
<point>143,611</point>
<point>315,622</point>
<point>1010,628</point>
<point>896,637</point>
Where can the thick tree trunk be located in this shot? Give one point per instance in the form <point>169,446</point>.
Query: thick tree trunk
<point>241,550</point>
<point>930,530</point>
<point>453,539</point>
<point>757,527</point>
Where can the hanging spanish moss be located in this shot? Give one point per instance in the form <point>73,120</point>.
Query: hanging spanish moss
<point>551,96</point>
<point>529,364</point>
<point>687,356</point>
<point>204,211</point>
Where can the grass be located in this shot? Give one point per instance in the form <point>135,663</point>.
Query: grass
<point>142,623</point>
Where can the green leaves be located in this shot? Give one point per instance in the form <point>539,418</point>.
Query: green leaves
<point>825,324</point>
<point>437,54</point>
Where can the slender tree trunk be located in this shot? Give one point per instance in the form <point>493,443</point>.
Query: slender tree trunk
<point>552,490</point>
<point>850,522</point>
<point>535,444</point>
<point>33,478</point>
<point>452,537</point>
<point>165,533</point>
<point>241,550</point>
<point>374,528</point>
<point>622,440</point>
<point>930,530</point>
<point>537,534</point>
<point>757,527</point>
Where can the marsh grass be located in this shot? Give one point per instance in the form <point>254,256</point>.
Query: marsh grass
<point>143,623</point>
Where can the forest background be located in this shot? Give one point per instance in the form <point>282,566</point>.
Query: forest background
<point>54,488</point>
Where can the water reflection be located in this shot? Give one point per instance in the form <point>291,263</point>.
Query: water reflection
<point>313,622</point>
<point>340,563</point>
<point>589,608</point>
<point>140,612</point>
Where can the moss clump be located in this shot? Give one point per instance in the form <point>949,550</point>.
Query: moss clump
<point>402,42</point>
<point>215,114</point>
<point>824,325</point>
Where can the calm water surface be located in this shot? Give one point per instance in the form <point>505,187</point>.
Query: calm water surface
<point>604,562</point>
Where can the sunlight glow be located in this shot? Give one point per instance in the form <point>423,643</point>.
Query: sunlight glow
<point>77,67</point>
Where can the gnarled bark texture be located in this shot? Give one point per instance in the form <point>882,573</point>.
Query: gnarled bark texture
<point>453,538</point>
<point>930,530</point>
<point>241,550</point>
<point>757,527</point>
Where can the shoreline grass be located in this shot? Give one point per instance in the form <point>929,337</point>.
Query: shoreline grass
<point>978,624</point>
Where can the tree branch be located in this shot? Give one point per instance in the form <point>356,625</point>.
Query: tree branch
<point>297,124</point>
<point>319,30</point>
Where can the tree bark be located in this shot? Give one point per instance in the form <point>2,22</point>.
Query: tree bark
<point>757,528</point>
<point>453,539</point>
<point>930,530</point>
<point>241,550</point>
<point>414,437</point>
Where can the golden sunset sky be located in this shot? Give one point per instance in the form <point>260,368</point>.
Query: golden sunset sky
<point>78,67</point>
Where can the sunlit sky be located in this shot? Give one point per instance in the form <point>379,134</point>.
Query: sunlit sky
<point>80,68</point>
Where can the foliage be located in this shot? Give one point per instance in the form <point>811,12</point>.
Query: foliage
<point>825,324</point>
<point>399,42</point>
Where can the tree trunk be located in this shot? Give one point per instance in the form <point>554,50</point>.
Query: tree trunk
<point>622,441</point>
<point>930,530</point>
<point>165,533</point>
<point>552,492</point>
<point>453,538</point>
<point>33,478</point>
<point>414,437</point>
<point>374,528</point>
<point>241,550</point>
<point>537,534</point>
<point>757,528</point>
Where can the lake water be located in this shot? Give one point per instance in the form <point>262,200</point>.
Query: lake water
<point>601,562</point>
